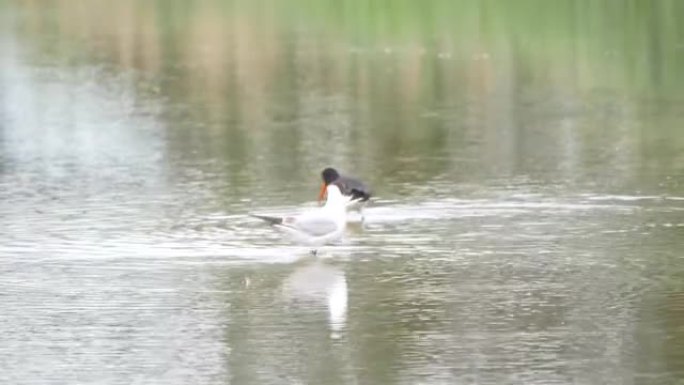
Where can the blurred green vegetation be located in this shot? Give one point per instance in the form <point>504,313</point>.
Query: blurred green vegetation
<point>401,85</point>
<point>633,45</point>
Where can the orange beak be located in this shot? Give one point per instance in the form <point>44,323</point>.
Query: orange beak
<point>321,194</point>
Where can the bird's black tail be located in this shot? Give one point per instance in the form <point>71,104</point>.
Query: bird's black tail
<point>270,220</point>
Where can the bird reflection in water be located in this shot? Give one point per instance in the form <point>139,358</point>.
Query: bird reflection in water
<point>317,283</point>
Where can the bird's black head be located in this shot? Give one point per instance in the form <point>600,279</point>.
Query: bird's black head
<point>329,175</point>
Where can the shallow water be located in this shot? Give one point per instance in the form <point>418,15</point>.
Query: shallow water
<point>527,226</point>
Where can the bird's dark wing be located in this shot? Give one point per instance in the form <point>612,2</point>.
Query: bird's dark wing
<point>354,187</point>
<point>270,220</point>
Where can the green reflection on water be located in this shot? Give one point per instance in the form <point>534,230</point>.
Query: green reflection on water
<point>421,98</point>
<point>400,90</point>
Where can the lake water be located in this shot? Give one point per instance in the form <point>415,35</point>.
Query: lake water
<point>527,160</point>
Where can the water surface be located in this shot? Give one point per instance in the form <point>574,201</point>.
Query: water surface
<point>527,159</point>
